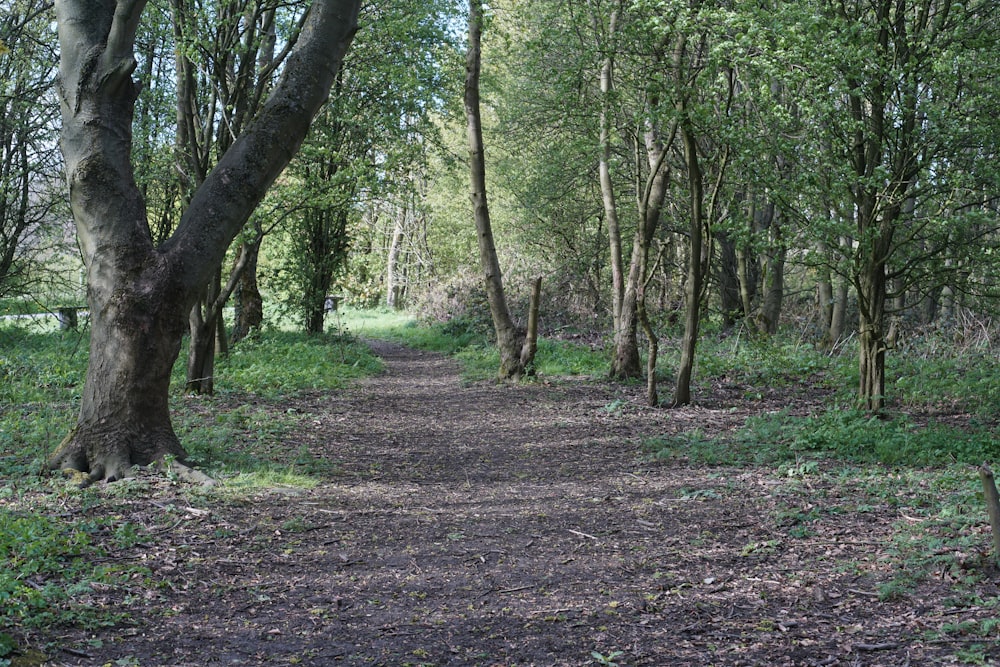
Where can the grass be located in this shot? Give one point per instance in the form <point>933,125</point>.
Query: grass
<point>470,341</point>
<point>241,436</point>
<point>51,559</point>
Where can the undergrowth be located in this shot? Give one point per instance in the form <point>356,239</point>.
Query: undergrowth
<point>51,564</point>
<point>241,436</point>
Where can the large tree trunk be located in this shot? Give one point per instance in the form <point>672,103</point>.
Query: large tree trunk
<point>139,294</point>
<point>512,364</point>
<point>124,418</point>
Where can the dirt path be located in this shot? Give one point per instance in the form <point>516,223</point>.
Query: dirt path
<point>493,525</point>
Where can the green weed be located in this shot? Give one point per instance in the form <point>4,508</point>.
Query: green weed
<point>857,436</point>
<point>48,572</point>
<point>277,364</point>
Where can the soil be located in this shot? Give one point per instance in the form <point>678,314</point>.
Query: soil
<point>487,524</point>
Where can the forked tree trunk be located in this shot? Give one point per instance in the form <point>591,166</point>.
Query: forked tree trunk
<point>872,337</point>
<point>138,293</point>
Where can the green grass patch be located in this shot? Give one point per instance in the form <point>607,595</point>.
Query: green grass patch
<point>49,574</point>
<point>844,434</point>
<point>968,382</point>
<point>775,361</point>
<point>276,364</point>
<point>51,565</point>
<point>471,343</point>
<point>856,436</point>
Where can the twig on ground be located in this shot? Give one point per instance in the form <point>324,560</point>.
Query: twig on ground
<point>577,532</point>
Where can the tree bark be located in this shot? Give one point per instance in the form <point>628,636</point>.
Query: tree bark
<point>530,345</point>
<point>872,337</point>
<point>248,302</point>
<point>695,270</point>
<point>139,294</point>
<point>393,286</point>
<point>506,333</point>
<point>625,363</point>
<point>731,288</point>
<point>774,280</point>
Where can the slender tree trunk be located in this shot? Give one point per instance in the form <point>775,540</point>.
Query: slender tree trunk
<point>393,288</point>
<point>748,282</point>
<point>695,271</point>
<point>249,305</point>
<point>774,284</point>
<point>630,362</point>
<point>511,366</point>
<point>838,318</point>
<point>824,289</point>
<point>530,345</point>
<point>728,276</point>
<point>202,329</point>
<point>872,338</point>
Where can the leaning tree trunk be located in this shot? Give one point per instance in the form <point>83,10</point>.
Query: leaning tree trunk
<point>512,364</point>
<point>695,272</point>
<point>139,293</point>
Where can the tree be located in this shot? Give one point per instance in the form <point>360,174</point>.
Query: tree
<point>903,86</point>
<point>516,352</point>
<point>28,155</point>
<point>139,293</point>
<point>366,143</point>
<point>226,61</point>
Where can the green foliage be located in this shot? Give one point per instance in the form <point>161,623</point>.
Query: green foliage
<point>562,357</point>
<point>48,572</point>
<point>281,363</point>
<point>36,367</point>
<point>771,361</point>
<point>41,376</point>
<point>857,436</point>
<point>941,539</point>
<point>608,660</point>
<point>966,381</point>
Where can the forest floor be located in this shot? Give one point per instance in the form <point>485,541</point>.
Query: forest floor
<point>485,524</point>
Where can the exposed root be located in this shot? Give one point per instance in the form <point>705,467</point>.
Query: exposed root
<point>99,454</point>
<point>189,474</point>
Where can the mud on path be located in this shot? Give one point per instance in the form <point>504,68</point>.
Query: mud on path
<point>487,525</point>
